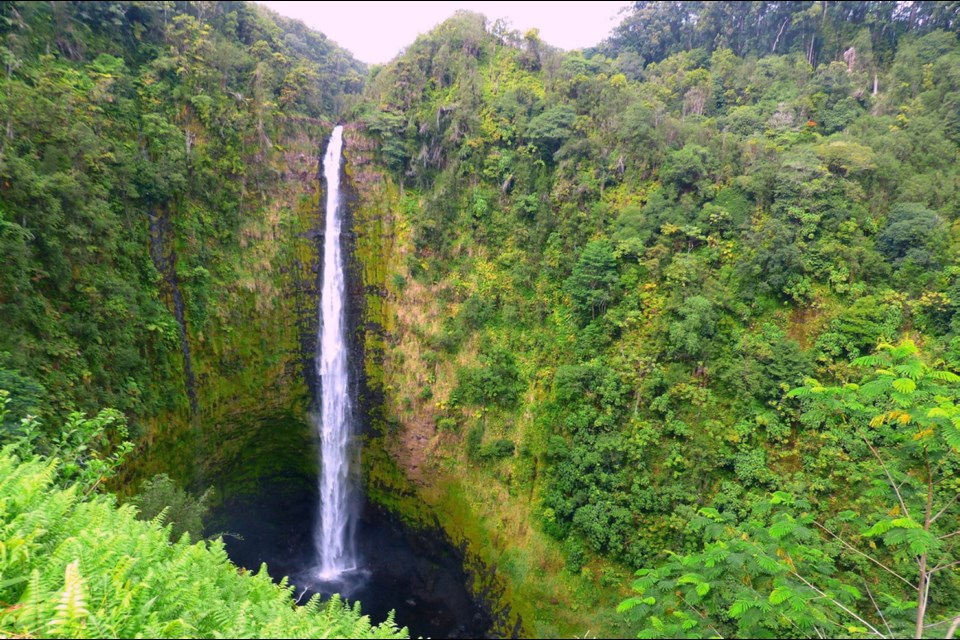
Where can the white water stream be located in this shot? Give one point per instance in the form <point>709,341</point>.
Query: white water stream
<point>334,532</point>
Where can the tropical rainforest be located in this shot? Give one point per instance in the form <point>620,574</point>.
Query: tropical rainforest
<point>663,333</point>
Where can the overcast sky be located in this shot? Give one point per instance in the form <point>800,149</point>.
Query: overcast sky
<point>376,31</point>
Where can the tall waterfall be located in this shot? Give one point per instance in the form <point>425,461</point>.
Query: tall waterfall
<point>334,532</point>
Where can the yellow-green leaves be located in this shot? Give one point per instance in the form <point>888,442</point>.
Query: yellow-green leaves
<point>905,385</point>
<point>93,570</point>
<point>71,611</point>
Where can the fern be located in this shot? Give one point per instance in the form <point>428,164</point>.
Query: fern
<point>951,434</point>
<point>86,568</point>
<point>71,611</point>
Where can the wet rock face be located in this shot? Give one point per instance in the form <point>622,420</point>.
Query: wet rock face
<point>420,576</point>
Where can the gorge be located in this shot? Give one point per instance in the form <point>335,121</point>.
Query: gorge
<point>658,337</point>
<point>350,547</point>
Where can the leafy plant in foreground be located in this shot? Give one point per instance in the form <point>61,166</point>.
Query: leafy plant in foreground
<point>871,569</point>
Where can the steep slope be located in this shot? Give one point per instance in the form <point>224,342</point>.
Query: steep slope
<point>590,281</point>
<point>596,281</point>
<point>159,206</point>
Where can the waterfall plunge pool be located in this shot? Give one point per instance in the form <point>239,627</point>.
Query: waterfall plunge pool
<point>269,494</point>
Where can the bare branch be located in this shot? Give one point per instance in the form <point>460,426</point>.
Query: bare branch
<point>877,607</point>
<point>870,558</point>
<point>780,33</point>
<point>945,507</point>
<point>302,593</point>
<point>949,535</point>
<point>953,629</point>
<point>840,605</point>
<point>944,566</point>
<point>938,623</point>
<point>896,489</point>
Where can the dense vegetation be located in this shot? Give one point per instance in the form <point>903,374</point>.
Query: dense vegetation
<point>686,303</point>
<point>75,565</point>
<point>142,158</point>
<point>639,250</point>
<point>154,157</point>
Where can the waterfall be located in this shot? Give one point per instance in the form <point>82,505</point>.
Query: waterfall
<point>334,533</point>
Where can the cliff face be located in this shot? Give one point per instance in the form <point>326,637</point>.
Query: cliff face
<point>417,469</point>
<point>253,358</point>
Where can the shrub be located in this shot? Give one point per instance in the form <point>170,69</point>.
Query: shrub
<point>497,450</point>
<point>474,440</point>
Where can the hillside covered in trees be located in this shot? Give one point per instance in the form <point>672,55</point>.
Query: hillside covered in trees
<point>613,266</point>
<point>665,332</point>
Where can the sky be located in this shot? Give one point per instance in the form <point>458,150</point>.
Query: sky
<point>375,32</point>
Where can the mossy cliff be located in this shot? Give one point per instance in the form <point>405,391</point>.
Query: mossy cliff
<point>253,356</point>
<point>159,205</point>
<point>419,471</point>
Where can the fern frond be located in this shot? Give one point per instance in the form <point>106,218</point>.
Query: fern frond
<point>71,609</point>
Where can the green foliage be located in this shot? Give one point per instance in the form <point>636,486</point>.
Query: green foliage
<point>496,450</point>
<point>748,581</point>
<point>89,450</point>
<point>912,235</point>
<point>790,567</point>
<point>84,568</point>
<point>858,328</point>
<point>696,324</point>
<point>655,30</point>
<point>495,382</point>
<point>685,168</point>
<point>591,285</point>
<point>552,128</point>
<point>667,233</point>
<point>161,500</point>
<point>24,397</point>
<point>636,251</point>
<point>474,442</point>
<point>141,138</point>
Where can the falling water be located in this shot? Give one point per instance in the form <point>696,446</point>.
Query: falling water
<point>334,535</point>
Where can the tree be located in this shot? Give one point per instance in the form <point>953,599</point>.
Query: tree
<point>912,234</point>
<point>592,281</point>
<point>550,129</point>
<point>690,334</point>
<point>906,415</point>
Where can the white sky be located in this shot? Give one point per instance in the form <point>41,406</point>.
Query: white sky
<point>376,31</point>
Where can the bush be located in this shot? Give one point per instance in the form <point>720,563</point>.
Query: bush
<point>183,512</point>
<point>576,554</point>
<point>497,450</point>
<point>495,382</point>
<point>591,285</point>
<point>425,394</point>
<point>474,440</point>
<point>92,570</point>
<point>913,234</point>
<point>447,424</point>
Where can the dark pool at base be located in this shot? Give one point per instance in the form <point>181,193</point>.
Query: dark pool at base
<point>418,577</point>
<point>267,512</point>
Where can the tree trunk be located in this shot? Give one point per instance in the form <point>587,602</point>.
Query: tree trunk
<point>921,596</point>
